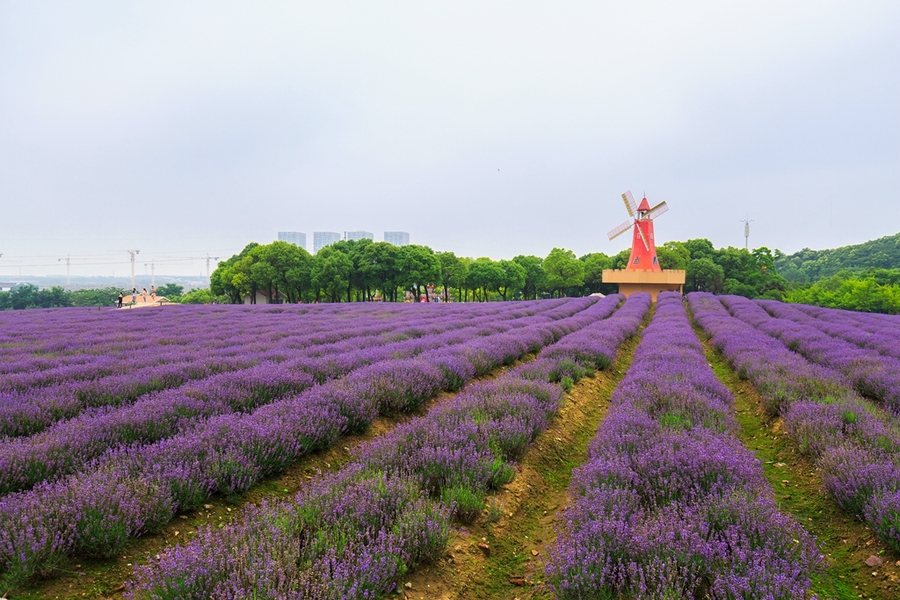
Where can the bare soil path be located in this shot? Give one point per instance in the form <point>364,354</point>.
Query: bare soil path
<point>501,554</point>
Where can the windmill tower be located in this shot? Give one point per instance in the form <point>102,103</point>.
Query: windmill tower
<point>643,243</point>
<point>643,273</point>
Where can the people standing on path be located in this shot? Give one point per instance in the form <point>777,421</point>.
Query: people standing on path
<point>144,295</point>
<point>121,298</point>
<point>152,293</point>
<point>133,296</point>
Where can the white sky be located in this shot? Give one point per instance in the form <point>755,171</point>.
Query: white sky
<point>486,128</point>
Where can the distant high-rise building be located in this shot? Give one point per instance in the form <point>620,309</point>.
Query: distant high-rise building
<point>324,238</point>
<point>397,238</point>
<point>358,235</point>
<point>295,237</point>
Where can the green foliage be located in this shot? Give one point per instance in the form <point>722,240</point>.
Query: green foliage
<point>811,265</point>
<point>620,260</point>
<point>563,270</point>
<point>29,296</point>
<point>594,265</point>
<point>198,296</point>
<point>484,274</point>
<point>363,270</point>
<point>673,255</point>
<point>331,273</point>
<point>453,271</point>
<point>170,291</point>
<point>512,278</point>
<point>535,276</point>
<point>848,291</point>
<point>703,275</point>
<point>417,266</point>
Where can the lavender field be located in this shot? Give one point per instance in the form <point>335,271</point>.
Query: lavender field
<point>112,424</point>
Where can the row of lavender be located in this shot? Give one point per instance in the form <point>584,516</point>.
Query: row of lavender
<point>856,445</point>
<point>68,447</point>
<point>872,374</point>
<point>135,489</point>
<point>863,329</point>
<point>353,534</point>
<point>669,503</point>
<point>32,399</point>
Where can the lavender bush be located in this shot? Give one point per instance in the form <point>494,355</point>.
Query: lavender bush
<point>669,504</point>
<point>229,451</point>
<point>333,542</point>
<point>854,443</point>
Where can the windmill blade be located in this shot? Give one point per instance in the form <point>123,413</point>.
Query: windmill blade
<point>643,239</point>
<point>657,210</point>
<point>619,230</point>
<point>630,204</point>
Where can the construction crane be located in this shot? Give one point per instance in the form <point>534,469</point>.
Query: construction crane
<point>208,258</point>
<point>66,258</point>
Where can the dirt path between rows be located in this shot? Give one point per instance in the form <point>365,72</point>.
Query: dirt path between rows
<point>846,542</point>
<point>501,555</point>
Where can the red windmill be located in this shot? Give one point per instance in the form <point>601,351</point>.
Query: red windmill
<point>643,245</point>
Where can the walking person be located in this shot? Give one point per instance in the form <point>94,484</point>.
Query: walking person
<point>152,293</point>
<point>121,298</point>
<point>144,295</point>
<point>133,296</point>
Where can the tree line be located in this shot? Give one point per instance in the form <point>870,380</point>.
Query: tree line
<point>809,266</point>
<point>30,296</point>
<point>365,270</point>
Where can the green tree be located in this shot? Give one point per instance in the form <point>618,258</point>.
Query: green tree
<point>23,296</point>
<point>172,291</point>
<point>700,248</point>
<point>594,265</point>
<point>276,262</point>
<point>56,297</point>
<point>198,296</point>
<point>563,270</point>
<point>232,277</point>
<point>673,255</point>
<point>380,266</point>
<point>418,267</point>
<point>94,297</point>
<point>453,272</point>
<point>703,275</point>
<point>620,260</point>
<point>330,273</point>
<point>736,263</point>
<point>484,274</point>
<point>512,279</point>
<point>535,276</point>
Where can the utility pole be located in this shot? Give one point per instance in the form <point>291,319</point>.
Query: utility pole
<point>132,253</point>
<point>746,223</point>
<point>67,258</point>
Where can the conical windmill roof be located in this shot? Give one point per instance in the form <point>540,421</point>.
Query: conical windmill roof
<point>644,205</point>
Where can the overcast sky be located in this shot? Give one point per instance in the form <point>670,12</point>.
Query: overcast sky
<point>486,128</point>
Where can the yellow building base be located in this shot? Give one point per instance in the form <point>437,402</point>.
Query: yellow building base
<point>653,282</point>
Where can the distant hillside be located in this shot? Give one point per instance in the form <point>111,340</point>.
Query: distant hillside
<point>810,265</point>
